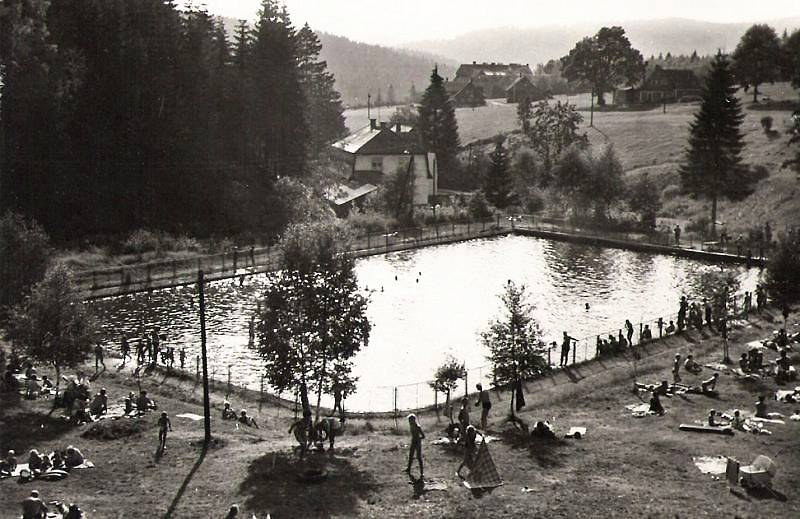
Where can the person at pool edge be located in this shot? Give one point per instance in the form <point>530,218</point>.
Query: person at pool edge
<point>485,402</point>
<point>565,344</point>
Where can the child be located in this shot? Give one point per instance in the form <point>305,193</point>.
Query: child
<point>163,425</point>
<point>416,444</point>
<point>676,367</point>
<point>470,449</point>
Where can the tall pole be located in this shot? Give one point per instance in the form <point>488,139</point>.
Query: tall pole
<point>591,111</point>
<point>369,108</point>
<point>206,405</point>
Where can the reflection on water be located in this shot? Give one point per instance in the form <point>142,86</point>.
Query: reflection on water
<point>441,299</point>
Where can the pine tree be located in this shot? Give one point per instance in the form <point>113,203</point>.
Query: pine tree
<point>438,128</point>
<point>498,185</point>
<point>715,140</point>
<point>390,99</point>
<point>412,94</point>
<point>323,103</point>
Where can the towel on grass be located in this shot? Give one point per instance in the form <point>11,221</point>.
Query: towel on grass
<point>639,410</point>
<point>711,464</point>
<point>190,416</point>
<point>576,432</point>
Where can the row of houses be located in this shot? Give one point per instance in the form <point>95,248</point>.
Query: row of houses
<point>474,83</point>
<point>661,86</point>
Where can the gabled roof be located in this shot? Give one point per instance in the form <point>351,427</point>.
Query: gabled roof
<point>493,70</point>
<point>522,80</point>
<point>377,141</point>
<point>677,78</point>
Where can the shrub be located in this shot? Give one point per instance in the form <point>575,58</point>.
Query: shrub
<point>370,222</point>
<point>140,241</point>
<point>25,254</point>
<point>479,207</point>
<point>783,272</point>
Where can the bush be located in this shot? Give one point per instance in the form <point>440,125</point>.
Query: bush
<point>479,207</point>
<point>670,192</point>
<point>370,222</point>
<point>783,272</point>
<point>700,225</point>
<point>534,202</point>
<point>140,241</point>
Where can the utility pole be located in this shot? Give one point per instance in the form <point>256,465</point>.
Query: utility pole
<point>206,405</point>
<point>591,111</point>
<point>369,115</point>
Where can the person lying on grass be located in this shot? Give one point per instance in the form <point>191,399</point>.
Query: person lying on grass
<point>691,366</point>
<point>709,386</point>
<point>247,420</point>
<point>712,419</point>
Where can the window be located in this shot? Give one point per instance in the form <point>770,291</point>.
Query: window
<point>377,164</point>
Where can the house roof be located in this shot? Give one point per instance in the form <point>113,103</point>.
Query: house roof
<point>677,78</point>
<point>341,194</point>
<point>493,70</point>
<point>377,141</point>
<point>522,80</point>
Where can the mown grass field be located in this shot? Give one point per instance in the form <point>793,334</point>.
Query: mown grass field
<point>624,467</point>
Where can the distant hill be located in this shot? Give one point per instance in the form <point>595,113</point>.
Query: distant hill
<point>538,45</point>
<point>362,68</point>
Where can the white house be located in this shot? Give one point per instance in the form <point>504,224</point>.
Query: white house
<point>376,151</point>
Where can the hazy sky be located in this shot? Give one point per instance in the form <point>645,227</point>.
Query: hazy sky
<point>396,21</point>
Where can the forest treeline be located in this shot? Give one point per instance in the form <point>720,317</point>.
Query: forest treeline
<point>122,114</point>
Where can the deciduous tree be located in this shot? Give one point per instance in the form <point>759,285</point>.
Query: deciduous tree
<point>514,341</point>
<point>604,61</point>
<point>445,380</point>
<point>25,254</point>
<point>757,58</point>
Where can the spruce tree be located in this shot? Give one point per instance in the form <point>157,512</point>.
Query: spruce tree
<point>323,103</point>
<point>498,184</point>
<point>437,127</point>
<point>715,142</point>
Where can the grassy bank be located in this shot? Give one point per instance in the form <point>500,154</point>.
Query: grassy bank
<point>624,467</point>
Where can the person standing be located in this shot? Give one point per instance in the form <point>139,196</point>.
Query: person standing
<point>677,231</point>
<point>565,344</point>
<point>415,449</point>
<point>629,331</point>
<point>337,398</point>
<point>708,315</point>
<point>163,426</point>
<point>486,404</point>
<point>98,357</point>
<point>682,309</point>
<point>125,348</point>
<point>183,358</point>
<point>463,415</point>
<point>676,368</point>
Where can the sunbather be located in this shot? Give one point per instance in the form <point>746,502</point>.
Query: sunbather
<point>670,329</point>
<point>712,419</point>
<point>99,405</point>
<point>543,430</point>
<point>676,368</point>
<point>227,412</point>
<point>143,403</point>
<point>783,368</point>
<point>34,461</point>
<point>247,420</point>
<point>74,457</point>
<point>709,385</point>
<point>744,363</point>
<point>691,366</point>
<point>9,464</point>
<point>33,507</point>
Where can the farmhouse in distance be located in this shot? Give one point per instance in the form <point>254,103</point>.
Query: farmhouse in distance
<point>661,86</point>
<point>492,78</point>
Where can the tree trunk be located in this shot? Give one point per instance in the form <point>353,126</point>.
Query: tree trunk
<point>755,93</point>
<point>601,100</point>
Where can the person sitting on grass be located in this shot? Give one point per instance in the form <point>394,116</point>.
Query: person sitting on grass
<point>783,368</point>
<point>647,334</point>
<point>543,430</point>
<point>736,421</point>
<point>709,385</point>
<point>761,407</point>
<point>99,405</point>
<point>691,366</point>
<point>46,382</point>
<point>247,420</point>
<point>32,387</point>
<point>655,404</point>
<point>670,329</point>
<point>744,363</point>
<point>58,459</point>
<point>676,368</point>
<point>82,414</point>
<point>74,458</point>
<point>35,461</point>
<point>470,449</point>
<point>712,419</point>
<point>144,404</point>
<point>227,412</point>
<point>33,507</point>
<point>9,464</point>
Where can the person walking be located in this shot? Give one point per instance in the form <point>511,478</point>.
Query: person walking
<point>125,348</point>
<point>676,368</point>
<point>415,449</point>
<point>486,404</point>
<point>163,426</point>
<point>183,358</point>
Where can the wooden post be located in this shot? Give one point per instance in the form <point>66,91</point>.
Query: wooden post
<point>223,262</point>
<point>206,403</point>
<point>591,112</point>
<point>395,407</point>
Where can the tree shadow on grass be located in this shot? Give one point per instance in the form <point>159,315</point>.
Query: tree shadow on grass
<point>177,499</point>
<point>545,451</point>
<point>276,484</point>
<point>31,430</point>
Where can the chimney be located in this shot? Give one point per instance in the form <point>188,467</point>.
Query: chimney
<point>398,128</point>
<point>384,125</point>
<point>373,124</point>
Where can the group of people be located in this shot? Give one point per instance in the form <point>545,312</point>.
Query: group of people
<point>34,507</point>
<point>68,458</point>
<point>150,350</point>
<point>243,418</point>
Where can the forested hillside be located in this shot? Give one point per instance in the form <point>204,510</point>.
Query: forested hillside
<point>122,114</point>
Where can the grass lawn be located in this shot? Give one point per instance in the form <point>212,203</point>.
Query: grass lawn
<point>624,467</point>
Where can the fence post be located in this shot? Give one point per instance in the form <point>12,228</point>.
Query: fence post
<point>199,265</point>
<point>574,352</point>
<point>395,407</point>
<point>197,370</point>
<point>223,262</point>
<point>235,258</point>
<point>368,241</point>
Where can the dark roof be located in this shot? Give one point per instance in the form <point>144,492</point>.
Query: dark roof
<point>493,69</point>
<point>678,78</point>
<point>521,81</point>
